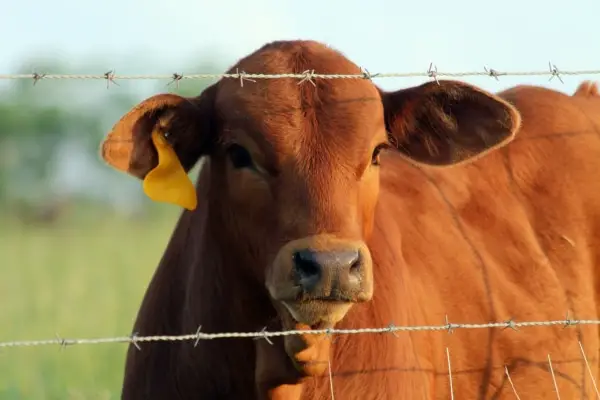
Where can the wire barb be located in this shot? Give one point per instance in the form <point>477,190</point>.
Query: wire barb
<point>110,78</point>
<point>492,72</point>
<point>330,334</point>
<point>432,72</point>
<point>37,77</point>
<point>512,325</point>
<point>134,340</point>
<point>264,335</point>
<point>198,336</point>
<point>243,77</point>
<point>554,72</point>
<point>392,329</point>
<point>367,74</point>
<point>62,342</point>
<point>176,79</point>
<point>450,326</point>
<point>569,321</point>
<point>308,77</point>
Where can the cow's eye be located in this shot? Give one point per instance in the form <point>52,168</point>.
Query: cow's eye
<point>376,153</point>
<point>239,156</point>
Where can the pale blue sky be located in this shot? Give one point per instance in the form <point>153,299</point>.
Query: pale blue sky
<point>382,35</point>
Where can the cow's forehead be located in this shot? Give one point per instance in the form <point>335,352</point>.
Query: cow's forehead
<point>290,110</point>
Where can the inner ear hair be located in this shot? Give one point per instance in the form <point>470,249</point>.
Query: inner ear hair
<point>189,129</point>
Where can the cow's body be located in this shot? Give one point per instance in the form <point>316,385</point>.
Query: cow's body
<point>513,235</point>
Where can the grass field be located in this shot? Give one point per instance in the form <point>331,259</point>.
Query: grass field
<point>82,278</point>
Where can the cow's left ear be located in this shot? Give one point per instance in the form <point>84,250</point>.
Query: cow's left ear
<point>448,123</point>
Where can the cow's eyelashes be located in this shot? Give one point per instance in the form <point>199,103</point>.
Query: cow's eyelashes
<point>377,151</point>
<point>239,156</point>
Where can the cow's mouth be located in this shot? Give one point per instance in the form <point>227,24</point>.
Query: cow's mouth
<point>318,313</point>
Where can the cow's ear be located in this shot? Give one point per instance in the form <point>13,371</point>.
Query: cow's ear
<point>160,140</point>
<point>448,123</point>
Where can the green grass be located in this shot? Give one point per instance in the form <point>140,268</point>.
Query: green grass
<point>82,278</point>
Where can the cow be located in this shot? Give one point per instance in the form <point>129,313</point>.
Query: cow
<point>331,203</point>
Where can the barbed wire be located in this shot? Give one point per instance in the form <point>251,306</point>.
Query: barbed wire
<point>309,75</point>
<point>264,334</point>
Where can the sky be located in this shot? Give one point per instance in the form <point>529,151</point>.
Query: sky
<point>380,35</point>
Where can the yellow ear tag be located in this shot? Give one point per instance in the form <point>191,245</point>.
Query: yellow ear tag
<point>168,181</point>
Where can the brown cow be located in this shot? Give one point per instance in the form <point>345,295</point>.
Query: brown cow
<point>303,218</point>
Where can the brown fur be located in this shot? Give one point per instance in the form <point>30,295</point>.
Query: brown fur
<point>505,231</point>
<point>587,88</point>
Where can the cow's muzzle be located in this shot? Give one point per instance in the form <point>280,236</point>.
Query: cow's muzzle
<point>318,278</point>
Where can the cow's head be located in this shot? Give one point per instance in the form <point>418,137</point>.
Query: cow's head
<point>299,163</point>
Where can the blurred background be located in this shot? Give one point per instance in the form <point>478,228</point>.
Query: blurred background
<point>79,241</point>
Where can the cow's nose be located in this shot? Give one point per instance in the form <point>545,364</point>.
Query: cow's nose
<point>328,274</point>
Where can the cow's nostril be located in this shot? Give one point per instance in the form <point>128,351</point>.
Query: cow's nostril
<point>306,264</point>
<point>356,266</point>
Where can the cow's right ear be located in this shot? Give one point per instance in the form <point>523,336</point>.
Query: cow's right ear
<point>160,140</point>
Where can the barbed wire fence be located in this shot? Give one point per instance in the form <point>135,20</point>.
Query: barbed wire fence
<point>266,335</point>
<point>449,327</point>
<point>306,76</point>
<point>309,76</point>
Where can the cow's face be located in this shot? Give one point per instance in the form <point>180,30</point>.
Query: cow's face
<point>295,165</point>
<point>301,162</point>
